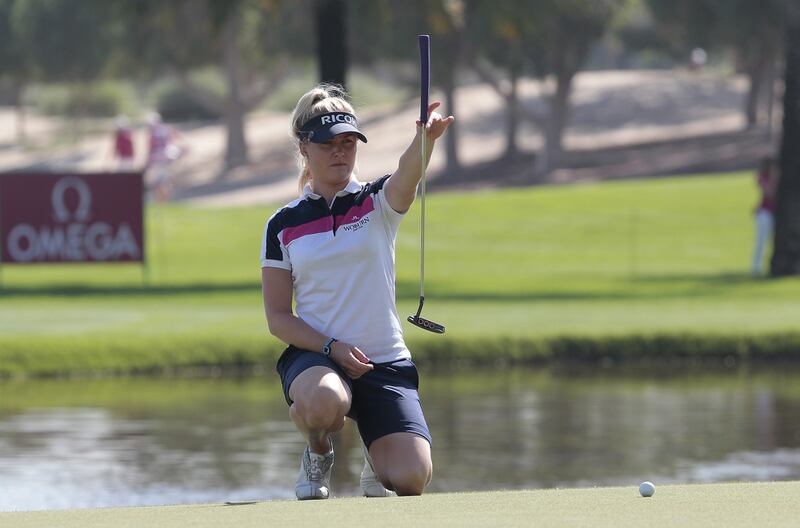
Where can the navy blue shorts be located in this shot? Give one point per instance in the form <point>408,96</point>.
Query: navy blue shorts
<point>385,399</point>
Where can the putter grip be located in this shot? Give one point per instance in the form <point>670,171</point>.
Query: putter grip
<point>424,75</point>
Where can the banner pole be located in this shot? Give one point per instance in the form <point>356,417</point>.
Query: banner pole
<point>145,253</point>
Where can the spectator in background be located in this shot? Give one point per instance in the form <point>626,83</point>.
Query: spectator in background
<point>164,150</point>
<point>697,59</point>
<point>123,144</point>
<point>767,178</point>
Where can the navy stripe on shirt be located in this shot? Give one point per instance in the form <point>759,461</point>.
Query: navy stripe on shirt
<point>311,210</point>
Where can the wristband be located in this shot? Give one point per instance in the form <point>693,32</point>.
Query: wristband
<point>326,348</point>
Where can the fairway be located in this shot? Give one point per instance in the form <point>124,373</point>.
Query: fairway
<point>506,271</point>
<point>688,506</point>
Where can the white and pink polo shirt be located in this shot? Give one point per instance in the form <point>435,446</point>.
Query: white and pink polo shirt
<point>342,263</point>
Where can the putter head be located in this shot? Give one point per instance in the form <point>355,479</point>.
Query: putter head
<point>430,326</point>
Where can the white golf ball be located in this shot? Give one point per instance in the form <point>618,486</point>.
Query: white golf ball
<point>647,489</point>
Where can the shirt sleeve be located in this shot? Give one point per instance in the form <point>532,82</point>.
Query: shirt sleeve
<point>273,253</point>
<point>390,217</point>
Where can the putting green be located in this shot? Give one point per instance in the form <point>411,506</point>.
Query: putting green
<point>773,504</point>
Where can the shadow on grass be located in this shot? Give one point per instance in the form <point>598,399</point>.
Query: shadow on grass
<point>636,287</point>
<point>410,293</point>
<point>697,279</point>
<point>86,290</point>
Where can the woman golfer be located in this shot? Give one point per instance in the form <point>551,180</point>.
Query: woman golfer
<point>333,249</point>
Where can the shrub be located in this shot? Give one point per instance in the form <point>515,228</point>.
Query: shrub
<point>103,99</point>
<point>174,104</point>
<point>7,97</point>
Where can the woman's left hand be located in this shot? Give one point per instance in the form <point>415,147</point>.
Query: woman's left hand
<point>436,124</point>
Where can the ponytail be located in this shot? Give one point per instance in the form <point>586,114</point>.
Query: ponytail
<point>305,177</point>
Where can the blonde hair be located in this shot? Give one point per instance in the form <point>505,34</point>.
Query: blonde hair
<point>321,99</point>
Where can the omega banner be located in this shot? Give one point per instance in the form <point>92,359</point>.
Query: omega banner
<point>71,218</point>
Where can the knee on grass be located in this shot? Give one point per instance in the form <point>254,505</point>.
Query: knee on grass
<point>408,479</point>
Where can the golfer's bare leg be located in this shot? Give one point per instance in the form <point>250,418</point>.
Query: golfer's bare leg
<point>321,401</point>
<point>402,462</point>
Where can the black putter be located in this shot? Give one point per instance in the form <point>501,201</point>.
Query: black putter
<point>424,84</point>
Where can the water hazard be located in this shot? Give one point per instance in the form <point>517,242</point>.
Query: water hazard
<point>70,444</point>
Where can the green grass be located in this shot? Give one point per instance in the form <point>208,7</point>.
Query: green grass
<point>604,269</point>
<point>709,505</point>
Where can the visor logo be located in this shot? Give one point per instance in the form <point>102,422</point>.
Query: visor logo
<point>337,118</point>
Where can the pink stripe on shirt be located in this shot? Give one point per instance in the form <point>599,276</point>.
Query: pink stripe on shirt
<point>309,228</point>
<point>356,213</point>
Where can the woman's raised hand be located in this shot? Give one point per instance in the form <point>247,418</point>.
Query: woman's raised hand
<point>436,124</point>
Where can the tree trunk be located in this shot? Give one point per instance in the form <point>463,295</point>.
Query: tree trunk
<point>331,28</point>
<point>237,152</point>
<point>522,111</point>
<point>755,73</point>
<point>771,74</point>
<point>19,110</point>
<point>550,156</point>
<point>452,52</point>
<point>559,113</point>
<point>78,91</point>
<point>452,165</point>
<point>786,255</point>
<point>512,120</point>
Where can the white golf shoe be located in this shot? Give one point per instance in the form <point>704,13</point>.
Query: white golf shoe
<point>370,484</point>
<point>314,479</point>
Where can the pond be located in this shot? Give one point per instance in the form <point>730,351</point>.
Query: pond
<point>136,441</point>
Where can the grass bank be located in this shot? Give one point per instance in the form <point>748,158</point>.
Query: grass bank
<point>708,505</point>
<point>653,270</point>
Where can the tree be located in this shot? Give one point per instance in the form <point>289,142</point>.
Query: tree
<point>505,35</point>
<point>60,41</point>
<point>330,17</point>
<point>786,255</point>
<point>573,27</point>
<point>241,37</point>
<point>750,28</point>
<point>448,34</point>
<point>67,40</point>
<point>553,37</point>
<point>388,30</point>
<point>754,28</point>
<point>16,66</point>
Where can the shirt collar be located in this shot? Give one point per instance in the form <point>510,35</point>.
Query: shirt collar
<point>353,186</point>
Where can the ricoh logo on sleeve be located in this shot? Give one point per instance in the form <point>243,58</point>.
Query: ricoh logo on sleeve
<point>73,235</point>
